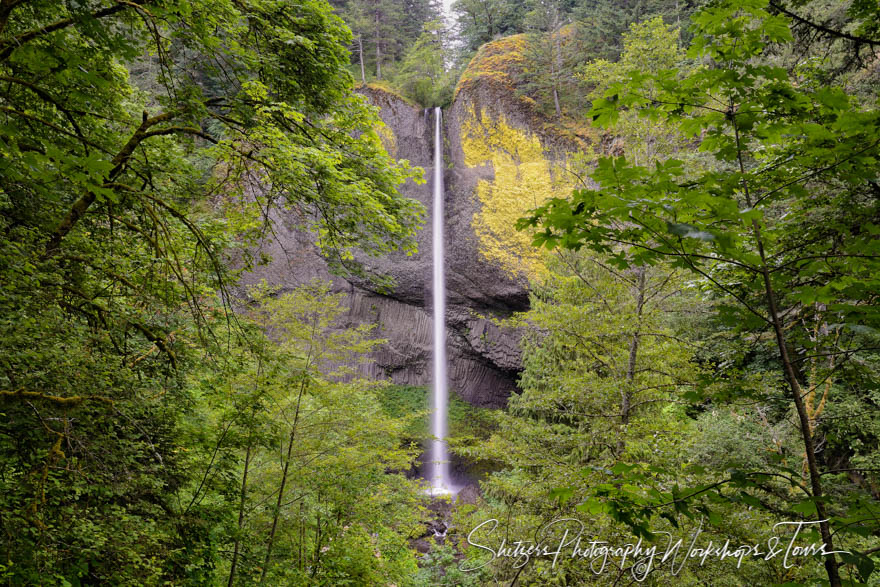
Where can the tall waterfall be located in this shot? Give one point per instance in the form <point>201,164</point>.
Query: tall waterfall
<point>439,479</point>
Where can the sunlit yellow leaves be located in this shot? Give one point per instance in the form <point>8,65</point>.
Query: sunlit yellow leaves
<point>525,177</point>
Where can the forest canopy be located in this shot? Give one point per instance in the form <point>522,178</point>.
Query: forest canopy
<point>144,146</point>
<point>698,355</point>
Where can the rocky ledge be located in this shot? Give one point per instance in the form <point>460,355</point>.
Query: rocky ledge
<point>483,280</point>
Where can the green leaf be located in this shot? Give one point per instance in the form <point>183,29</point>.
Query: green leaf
<point>561,494</point>
<point>806,507</point>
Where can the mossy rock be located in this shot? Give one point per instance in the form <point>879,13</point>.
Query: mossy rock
<point>497,68</point>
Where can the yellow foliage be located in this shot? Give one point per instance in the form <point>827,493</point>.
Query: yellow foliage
<point>389,141</point>
<point>524,178</point>
<point>499,61</point>
<point>500,64</point>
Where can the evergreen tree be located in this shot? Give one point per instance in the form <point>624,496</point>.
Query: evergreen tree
<point>423,74</point>
<point>384,30</point>
<point>480,21</point>
<point>545,72</point>
<point>604,22</point>
<point>550,54</point>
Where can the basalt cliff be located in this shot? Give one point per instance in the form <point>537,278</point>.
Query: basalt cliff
<point>501,158</point>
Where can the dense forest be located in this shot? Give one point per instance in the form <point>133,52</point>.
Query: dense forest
<point>678,201</point>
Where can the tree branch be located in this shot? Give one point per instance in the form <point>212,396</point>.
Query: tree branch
<point>822,28</point>
<point>10,45</point>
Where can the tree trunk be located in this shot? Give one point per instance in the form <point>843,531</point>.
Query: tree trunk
<point>806,429</point>
<point>317,541</point>
<point>286,468</point>
<point>556,101</point>
<point>361,53</point>
<point>241,502</point>
<point>626,395</point>
<point>378,50</point>
<point>277,512</point>
<point>558,59</point>
<point>490,25</point>
<point>831,567</point>
<point>302,534</point>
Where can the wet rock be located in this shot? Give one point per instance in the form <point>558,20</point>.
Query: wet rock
<point>422,545</point>
<point>469,495</point>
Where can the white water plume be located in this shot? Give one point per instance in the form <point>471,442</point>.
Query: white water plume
<point>439,471</point>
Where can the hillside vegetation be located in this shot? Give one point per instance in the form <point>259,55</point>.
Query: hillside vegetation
<point>689,191</point>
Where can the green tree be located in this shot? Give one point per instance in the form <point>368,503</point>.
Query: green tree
<point>379,21</point>
<point>124,127</point>
<point>423,74</point>
<point>548,65</point>
<point>603,367</point>
<point>649,47</point>
<point>843,37</point>
<point>481,21</point>
<point>602,24</point>
<point>788,153</point>
<point>300,455</point>
<point>385,30</point>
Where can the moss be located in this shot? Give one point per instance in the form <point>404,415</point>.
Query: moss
<point>500,61</point>
<point>524,179</point>
<point>384,132</point>
<point>386,88</point>
<point>400,401</point>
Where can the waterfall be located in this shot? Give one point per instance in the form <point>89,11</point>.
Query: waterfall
<point>440,394</point>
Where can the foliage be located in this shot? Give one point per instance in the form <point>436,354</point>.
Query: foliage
<point>524,177</point>
<point>837,40</point>
<point>599,24</point>
<point>384,32</point>
<point>482,21</point>
<point>649,47</point>
<point>700,351</point>
<point>124,127</point>
<point>781,230</point>
<point>602,370</point>
<point>440,568</point>
<point>603,24</point>
<point>316,491</point>
<point>547,74</point>
<point>423,75</point>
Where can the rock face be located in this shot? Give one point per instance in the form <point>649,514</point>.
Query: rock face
<point>484,358</point>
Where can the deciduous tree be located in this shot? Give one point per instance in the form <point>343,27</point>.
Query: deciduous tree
<point>786,151</point>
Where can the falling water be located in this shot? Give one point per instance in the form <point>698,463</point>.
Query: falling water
<point>439,455</point>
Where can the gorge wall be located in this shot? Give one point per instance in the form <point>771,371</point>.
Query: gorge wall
<point>500,157</point>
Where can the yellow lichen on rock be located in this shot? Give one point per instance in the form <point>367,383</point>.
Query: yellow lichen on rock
<point>385,88</point>
<point>497,70</point>
<point>389,141</point>
<point>382,95</point>
<point>500,61</point>
<point>524,179</point>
